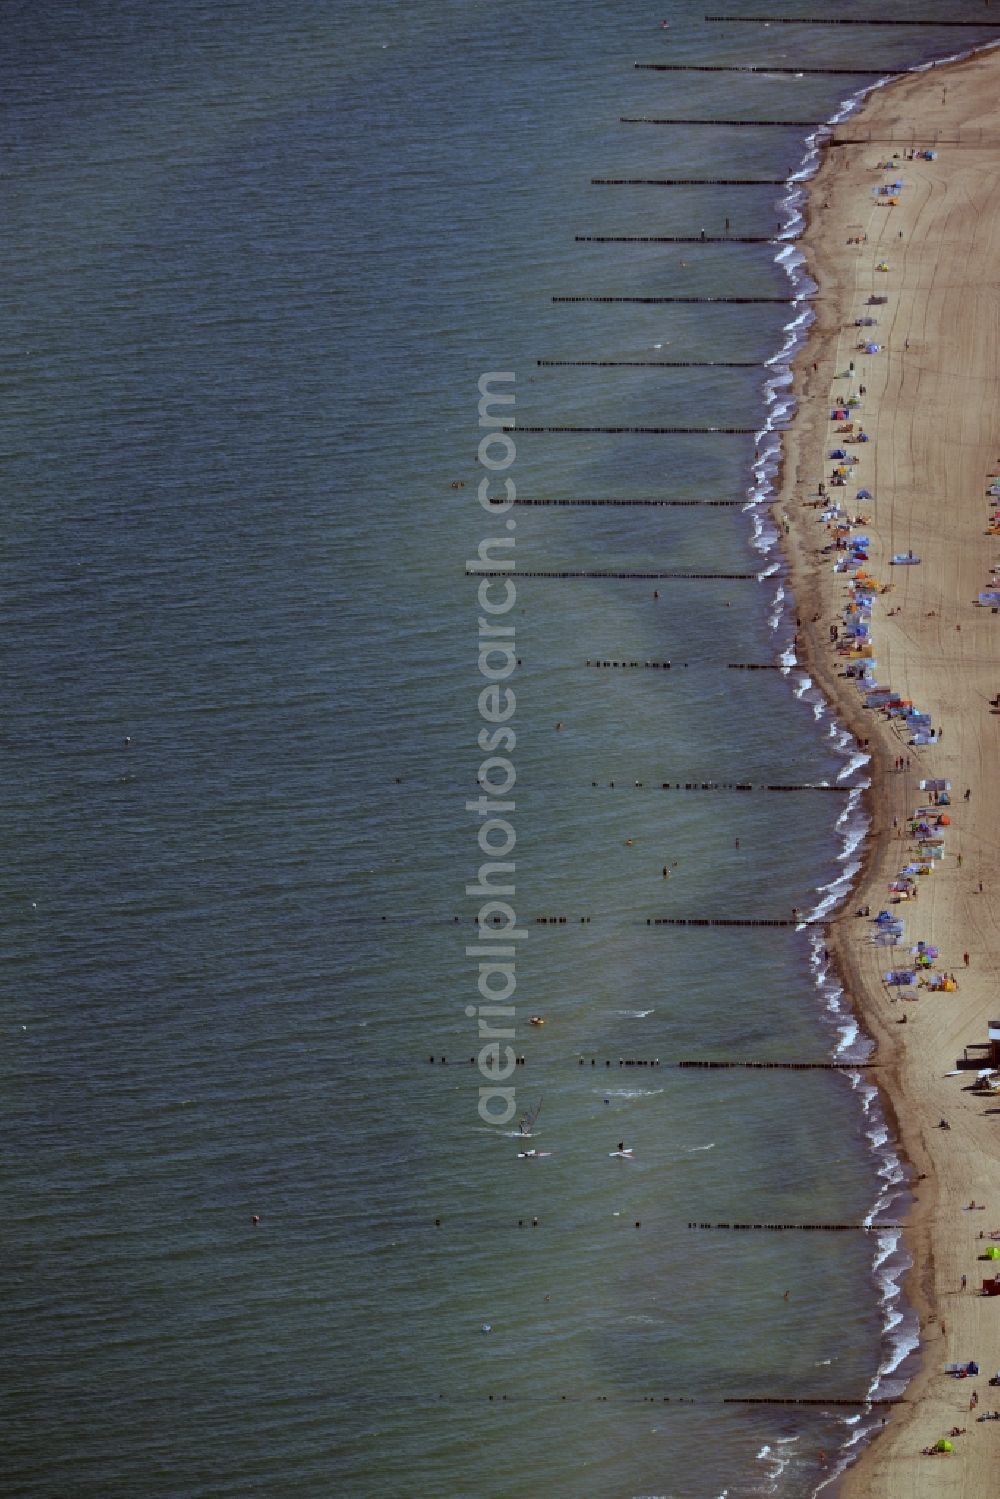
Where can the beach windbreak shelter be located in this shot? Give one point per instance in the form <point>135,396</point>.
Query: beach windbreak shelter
<point>993,1042</point>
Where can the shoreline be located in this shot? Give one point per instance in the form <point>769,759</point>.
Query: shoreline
<point>928,665</point>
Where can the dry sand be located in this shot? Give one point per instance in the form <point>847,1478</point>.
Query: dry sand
<point>932,409</point>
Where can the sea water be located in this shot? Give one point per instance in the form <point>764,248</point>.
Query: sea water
<point>256,259</point>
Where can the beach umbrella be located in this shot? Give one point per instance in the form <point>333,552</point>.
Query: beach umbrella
<point>993,1253</point>
<point>944,1445</point>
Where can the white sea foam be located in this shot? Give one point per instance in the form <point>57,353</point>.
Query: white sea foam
<point>775,1462</point>
<point>859,758</point>
<point>627,1092</point>
<point>900,1328</point>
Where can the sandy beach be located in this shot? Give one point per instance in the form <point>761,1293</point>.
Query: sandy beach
<point>931,409</point>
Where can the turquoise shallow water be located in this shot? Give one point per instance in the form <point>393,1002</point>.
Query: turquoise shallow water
<point>256,259</point>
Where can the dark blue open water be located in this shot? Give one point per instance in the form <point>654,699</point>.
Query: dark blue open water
<point>255,260</point>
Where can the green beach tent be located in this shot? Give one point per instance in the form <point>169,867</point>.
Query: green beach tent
<point>993,1253</point>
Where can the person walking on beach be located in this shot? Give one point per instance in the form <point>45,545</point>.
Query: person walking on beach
<point>965,959</point>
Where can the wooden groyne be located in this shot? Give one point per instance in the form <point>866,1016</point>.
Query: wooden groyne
<point>759,67</point>
<point>643,364</point>
<point>601,664</point>
<point>630,665</point>
<point>675,239</point>
<point>465,1061</point>
<point>731,921</point>
<point>787,1066</point>
<point>525,500</point>
<point>651,431</point>
<point>861,1401</point>
<point>498,572</point>
<point>750,786</point>
<point>661,301</point>
<point>799,1228</point>
<point>733,124</point>
<point>843,21</point>
<point>747,1066</point>
<point>617,1398</point>
<point>687,181</point>
<point>622,1062</point>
